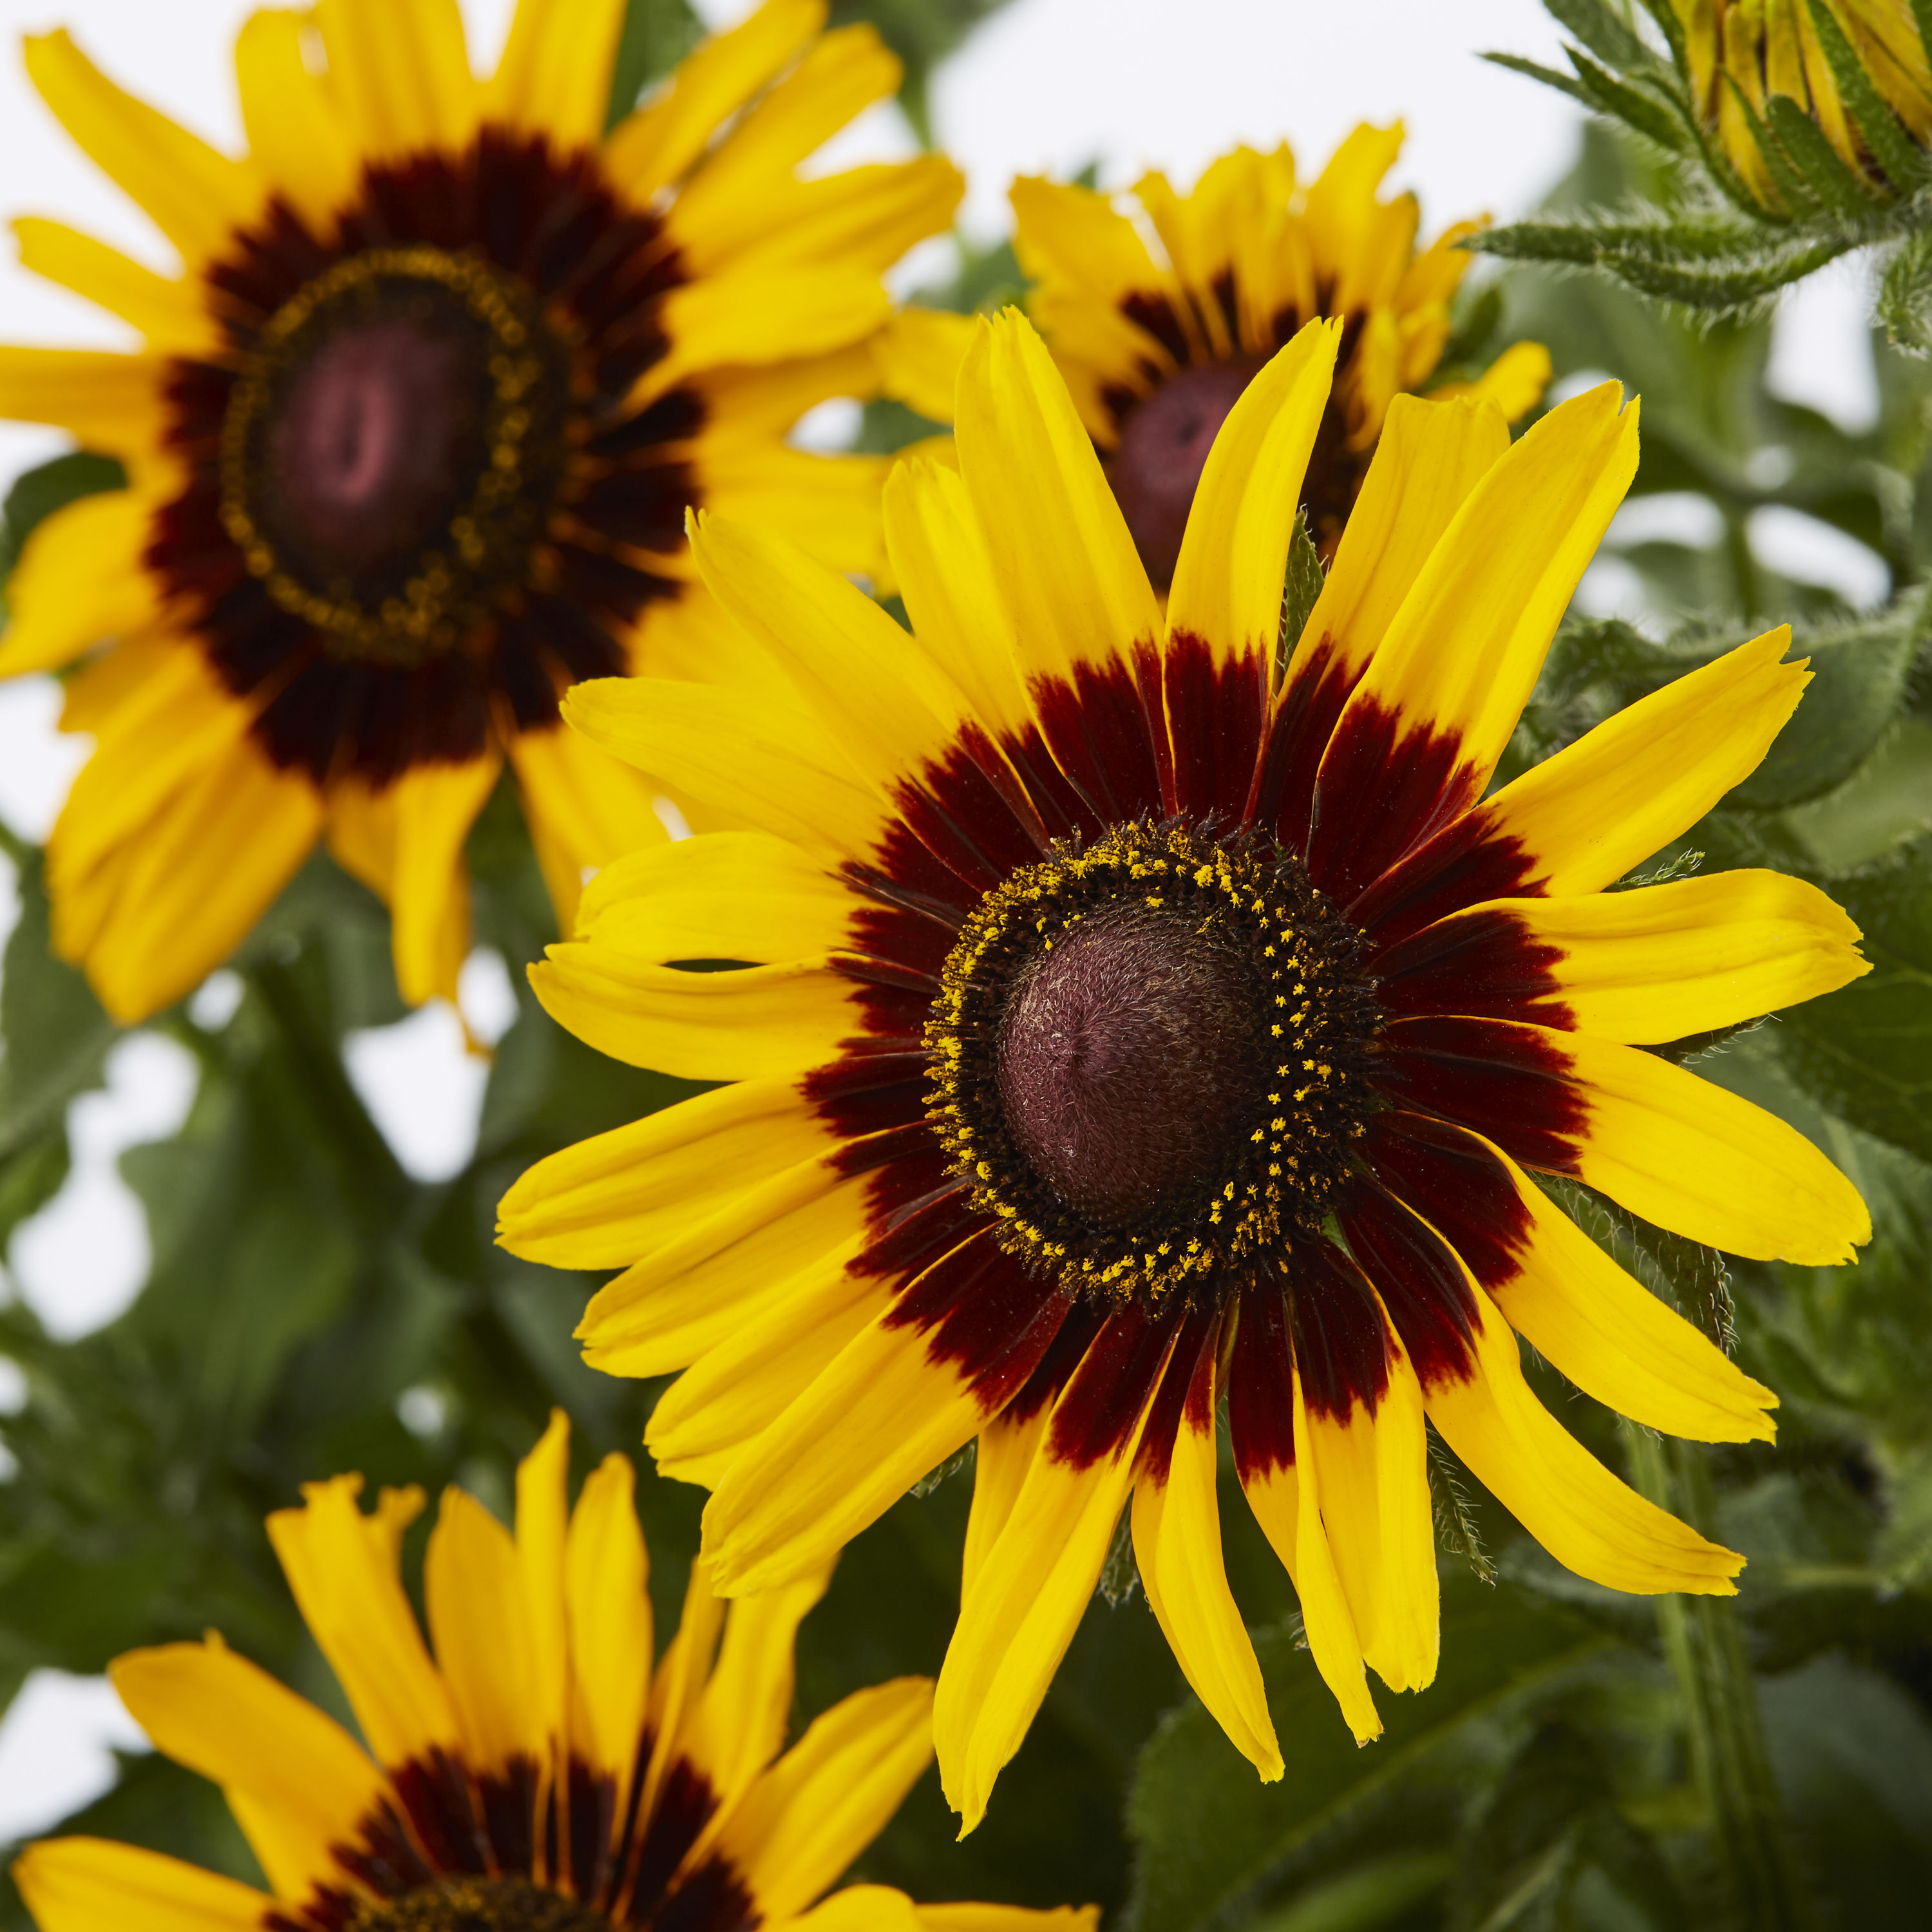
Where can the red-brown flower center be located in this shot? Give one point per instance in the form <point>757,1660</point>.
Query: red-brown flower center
<point>1156,466</point>
<point>1130,1051</point>
<point>479,1905</point>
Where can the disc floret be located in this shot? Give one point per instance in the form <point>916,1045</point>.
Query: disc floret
<point>1149,1057</point>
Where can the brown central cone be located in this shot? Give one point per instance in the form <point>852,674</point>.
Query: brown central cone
<point>1130,1065</point>
<point>378,439</point>
<point>1163,448</point>
<point>479,1905</point>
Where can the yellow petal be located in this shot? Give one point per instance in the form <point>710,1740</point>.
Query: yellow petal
<point>1643,776</point>
<point>656,146</point>
<point>479,1621</point>
<point>1228,583</point>
<point>764,761</point>
<point>752,1023</point>
<point>739,1725</point>
<point>884,701</point>
<point>724,1273</point>
<point>1342,211</point>
<point>435,806</point>
<point>584,809</point>
<point>609,1199</point>
<point>607,1574</point>
<point>1176,1532</point>
<point>946,578</point>
<point>828,505</point>
<point>1027,1597</point>
<point>1691,1156</point>
<point>296,134</point>
<point>878,1417</point>
<point>1005,1453</point>
<point>1588,1520</point>
<point>110,402</point>
<point>93,1885</point>
<point>973,1918</point>
<point>79,582</point>
<point>342,1567</point>
<point>554,78</point>
<point>919,354</point>
<point>1515,380</point>
<point>1288,1504</point>
<point>542,1517</point>
<point>1058,545</point>
<point>726,895</point>
<point>305,1786</point>
<point>759,314</point>
<point>1668,961</point>
<point>195,196</point>
<point>1615,1339</point>
<point>714,1414</point>
<point>402,73</point>
<point>1460,656</point>
<point>826,1800</point>
<point>170,313</point>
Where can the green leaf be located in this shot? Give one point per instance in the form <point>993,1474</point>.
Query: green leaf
<point>1836,187</point>
<point>55,1033</point>
<point>1301,588</point>
<point>657,35</point>
<point>1498,1646</point>
<point>1904,162</point>
<point>37,493</point>
<point>1602,32</point>
<point>1903,309</point>
<point>1550,76</point>
<point>1866,1050</point>
<point>1636,105</point>
<point>1551,1850</point>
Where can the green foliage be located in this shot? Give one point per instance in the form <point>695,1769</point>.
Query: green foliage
<point>1697,237</point>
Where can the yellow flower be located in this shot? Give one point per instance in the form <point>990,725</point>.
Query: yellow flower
<point>1143,1029</point>
<point>1156,342</point>
<point>410,443</point>
<point>1757,49</point>
<point>537,1776</point>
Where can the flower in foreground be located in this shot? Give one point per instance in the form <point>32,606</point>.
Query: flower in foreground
<point>1742,55</point>
<point>538,1776</point>
<point>1157,343</point>
<point>410,445</point>
<point>1145,1031</point>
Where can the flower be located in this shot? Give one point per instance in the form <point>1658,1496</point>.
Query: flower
<point>1143,1029</point>
<point>537,1777</point>
<point>1156,344</point>
<point>1740,55</point>
<point>410,443</point>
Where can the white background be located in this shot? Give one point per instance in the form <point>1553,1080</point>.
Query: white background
<point>1049,85</point>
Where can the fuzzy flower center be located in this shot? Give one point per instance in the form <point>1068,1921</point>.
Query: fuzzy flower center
<point>393,450</point>
<point>1150,1058</point>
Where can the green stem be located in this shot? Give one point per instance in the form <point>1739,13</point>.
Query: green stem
<point>1745,574</point>
<point>375,1180</point>
<point>1703,1642</point>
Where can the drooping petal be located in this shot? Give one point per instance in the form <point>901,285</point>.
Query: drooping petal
<point>1584,1314</point>
<point>79,583</point>
<point>435,806</point>
<point>1586,1518</point>
<point>1177,1533</point>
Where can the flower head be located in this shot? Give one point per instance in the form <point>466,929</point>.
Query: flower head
<point>1160,308</point>
<point>410,444</point>
<point>1742,55</point>
<point>538,1776</point>
<point>1146,1030</point>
